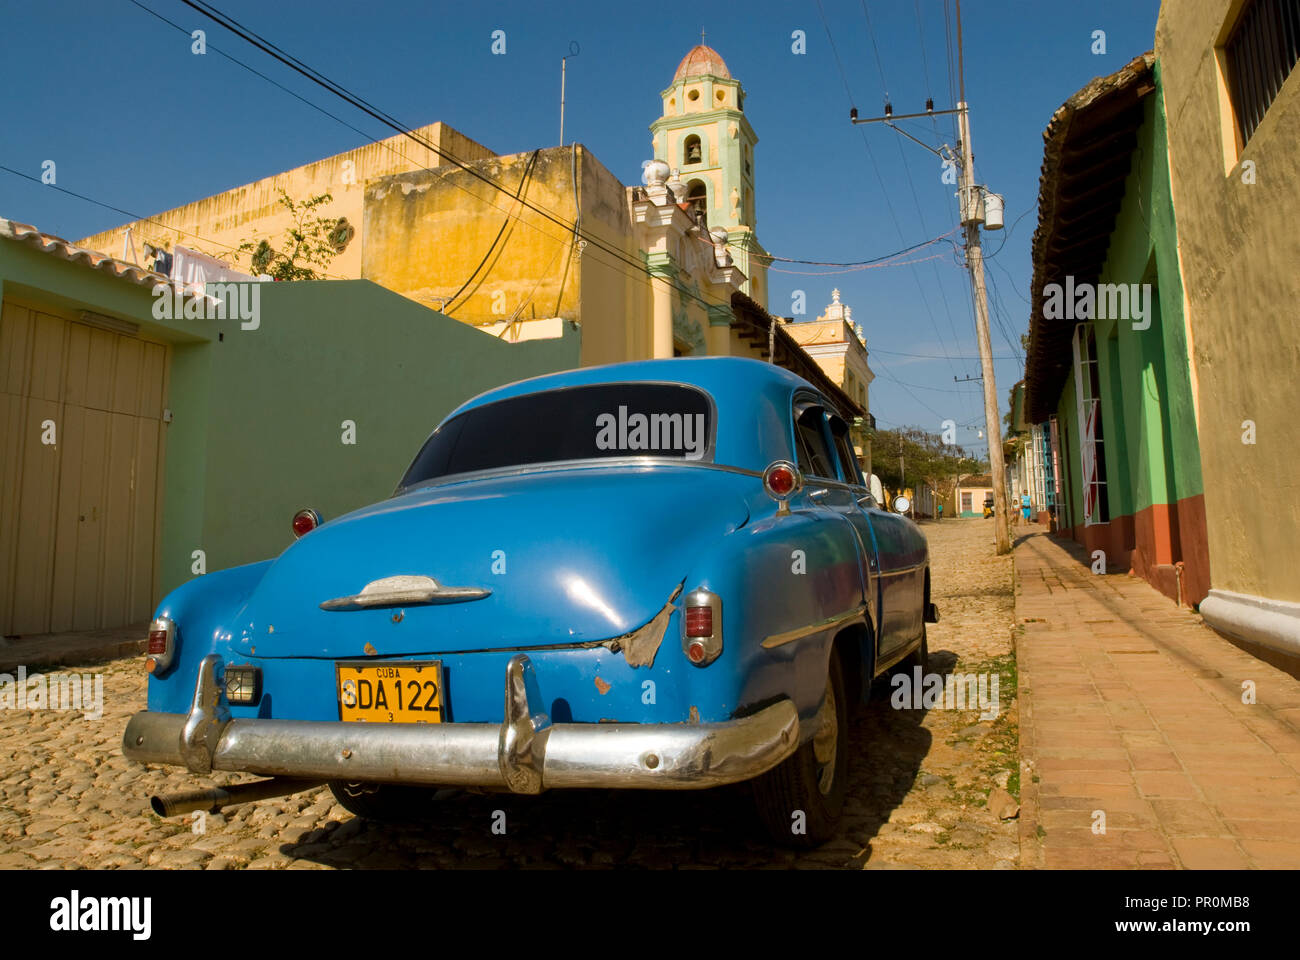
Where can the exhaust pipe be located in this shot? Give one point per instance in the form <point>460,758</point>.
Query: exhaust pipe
<point>213,800</point>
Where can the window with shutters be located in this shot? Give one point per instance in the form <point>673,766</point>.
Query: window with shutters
<point>1259,55</point>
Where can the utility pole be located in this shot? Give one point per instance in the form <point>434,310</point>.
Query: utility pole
<point>971,219</point>
<point>971,196</point>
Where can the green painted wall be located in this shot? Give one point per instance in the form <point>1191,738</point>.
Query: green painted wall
<point>1070,507</point>
<point>257,414</point>
<point>1149,399</point>
<point>1148,420</point>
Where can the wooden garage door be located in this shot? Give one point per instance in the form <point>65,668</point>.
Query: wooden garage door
<point>78,517</point>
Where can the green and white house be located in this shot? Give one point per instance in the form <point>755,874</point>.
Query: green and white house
<point>1108,374</point>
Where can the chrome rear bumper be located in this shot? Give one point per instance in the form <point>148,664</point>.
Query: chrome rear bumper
<point>524,754</point>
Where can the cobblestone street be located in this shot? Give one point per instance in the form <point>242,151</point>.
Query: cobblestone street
<point>919,783</point>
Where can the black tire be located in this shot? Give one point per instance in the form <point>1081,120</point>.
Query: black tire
<point>804,783</point>
<point>385,802</point>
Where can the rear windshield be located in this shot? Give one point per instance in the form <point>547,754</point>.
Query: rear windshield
<point>575,423</point>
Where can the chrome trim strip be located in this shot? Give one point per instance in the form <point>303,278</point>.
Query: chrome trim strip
<point>404,591</point>
<point>895,573</point>
<point>526,753</point>
<point>839,620</point>
<point>555,466</point>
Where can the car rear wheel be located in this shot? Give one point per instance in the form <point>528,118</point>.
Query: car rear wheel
<point>800,801</point>
<point>387,802</point>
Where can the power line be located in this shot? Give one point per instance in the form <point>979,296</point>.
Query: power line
<point>1013,283</point>
<point>858,263</point>
<point>880,66</point>
<point>911,184</point>
<point>572,229</point>
<point>885,194</point>
<point>315,76</point>
<point>934,356</point>
<point>126,213</point>
<point>1004,320</point>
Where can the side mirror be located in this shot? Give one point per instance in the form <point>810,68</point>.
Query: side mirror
<point>901,504</point>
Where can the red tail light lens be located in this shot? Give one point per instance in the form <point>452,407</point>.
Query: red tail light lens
<point>304,522</point>
<point>702,626</point>
<point>699,621</point>
<point>781,480</point>
<point>162,645</point>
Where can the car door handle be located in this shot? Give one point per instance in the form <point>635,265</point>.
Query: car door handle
<point>817,494</point>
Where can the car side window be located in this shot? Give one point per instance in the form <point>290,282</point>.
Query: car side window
<point>815,457</point>
<point>844,449</point>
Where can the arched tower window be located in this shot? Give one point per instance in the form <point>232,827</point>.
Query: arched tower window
<point>697,196</point>
<point>691,151</point>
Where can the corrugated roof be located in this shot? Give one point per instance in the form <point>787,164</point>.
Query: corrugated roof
<point>58,247</point>
<point>1087,155</point>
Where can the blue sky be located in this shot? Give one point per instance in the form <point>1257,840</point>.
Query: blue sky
<point>133,119</point>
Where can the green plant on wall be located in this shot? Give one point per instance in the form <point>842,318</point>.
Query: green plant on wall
<point>308,246</point>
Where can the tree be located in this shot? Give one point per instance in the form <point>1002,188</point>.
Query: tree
<point>926,459</point>
<point>309,245</point>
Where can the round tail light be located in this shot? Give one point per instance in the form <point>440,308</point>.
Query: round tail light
<point>304,522</point>
<point>782,480</point>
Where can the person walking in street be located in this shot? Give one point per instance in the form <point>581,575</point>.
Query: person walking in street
<point>1026,505</point>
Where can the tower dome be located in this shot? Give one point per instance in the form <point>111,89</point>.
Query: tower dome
<point>702,61</point>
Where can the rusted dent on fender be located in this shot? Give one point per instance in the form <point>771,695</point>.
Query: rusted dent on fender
<point>641,645</point>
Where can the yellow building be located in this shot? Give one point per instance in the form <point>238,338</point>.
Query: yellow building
<point>837,345</point>
<point>1232,95</point>
<point>217,225</point>
<point>527,244</point>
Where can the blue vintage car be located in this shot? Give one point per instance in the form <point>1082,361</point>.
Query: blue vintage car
<point>656,575</point>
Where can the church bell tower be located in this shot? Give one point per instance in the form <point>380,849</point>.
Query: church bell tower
<point>704,136</point>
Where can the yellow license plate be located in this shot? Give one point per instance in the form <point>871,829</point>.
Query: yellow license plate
<point>404,692</point>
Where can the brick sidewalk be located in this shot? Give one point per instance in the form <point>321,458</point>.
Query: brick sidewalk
<point>1131,706</point>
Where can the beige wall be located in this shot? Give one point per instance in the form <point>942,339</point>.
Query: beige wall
<point>1238,253</point>
<point>217,225</point>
